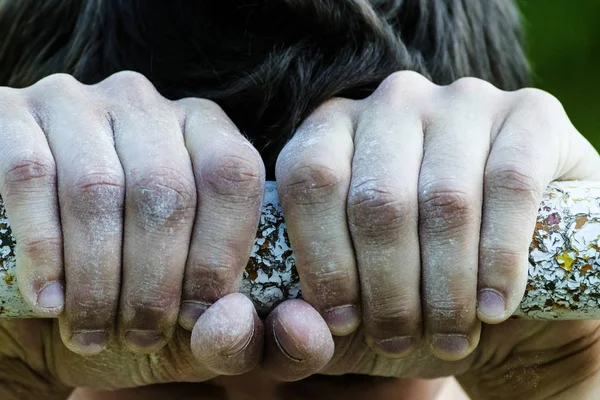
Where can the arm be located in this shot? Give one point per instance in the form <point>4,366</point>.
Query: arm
<point>25,373</point>
<point>554,361</point>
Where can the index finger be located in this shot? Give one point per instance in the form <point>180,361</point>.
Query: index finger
<point>28,186</point>
<point>230,179</point>
<point>535,145</point>
<point>313,174</point>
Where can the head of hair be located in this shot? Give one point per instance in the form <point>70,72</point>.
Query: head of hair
<point>267,63</point>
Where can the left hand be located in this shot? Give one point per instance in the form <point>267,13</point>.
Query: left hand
<point>414,209</point>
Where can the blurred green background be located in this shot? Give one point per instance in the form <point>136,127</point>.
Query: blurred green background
<point>563,45</point>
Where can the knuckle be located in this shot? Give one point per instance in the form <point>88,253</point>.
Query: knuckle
<point>325,281</point>
<point>515,179</point>
<point>238,176</point>
<point>130,87</point>
<point>443,203</point>
<point>455,309</point>
<point>129,80</point>
<point>400,80</point>
<point>57,92</point>
<point>162,197</point>
<point>506,261</point>
<point>13,111</point>
<point>446,201</point>
<point>333,106</point>
<point>198,105</point>
<point>64,82</point>
<point>63,88</point>
<point>158,302</point>
<point>8,94</point>
<point>214,276</point>
<point>376,209</point>
<point>156,305</point>
<point>312,183</point>
<point>92,305</point>
<point>391,315</point>
<point>96,193</point>
<point>540,99</point>
<point>39,247</point>
<point>402,84</point>
<point>196,111</point>
<point>216,271</point>
<point>472,87</point>
<point>161,298</point>
<point>29,170</point>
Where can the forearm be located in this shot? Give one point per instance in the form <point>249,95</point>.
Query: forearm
<point>587,388</point>
<point>533,370</point>
<point>24,370</point>
<point>19,381</point>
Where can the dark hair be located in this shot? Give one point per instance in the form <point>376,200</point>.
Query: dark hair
<point>267,63</point>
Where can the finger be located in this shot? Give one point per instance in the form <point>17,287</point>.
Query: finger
<point>534,145</point>
<point>91,187</point>
<point>313,175</point>
<point>297,343</point>
<point>450,203</point>
<point>159,211</point>
<point>28,189</point>
<point>230,180</point>
<point>383,216</point>
<point>228,337</point>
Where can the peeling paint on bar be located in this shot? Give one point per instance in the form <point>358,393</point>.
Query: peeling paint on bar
<point>12,304</point>
<point>270,276</point>
<point>564,258</point>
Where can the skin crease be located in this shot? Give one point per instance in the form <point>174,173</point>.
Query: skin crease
<point>374,162</point>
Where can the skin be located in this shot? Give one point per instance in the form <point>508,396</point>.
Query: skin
<point>410,213</point>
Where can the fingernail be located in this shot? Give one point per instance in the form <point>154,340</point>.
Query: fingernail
<point>51,296</point>
<point>190,312</point>
<point>342,320</point>
<point>450,346</point>
<point>241,344</point>
<point>90,341</point>
<point>288,346</point>
<point>395,346</point>
<point>491,303</point>
<point>139,340</point>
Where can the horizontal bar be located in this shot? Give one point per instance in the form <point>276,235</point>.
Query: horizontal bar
<point>564,258</point>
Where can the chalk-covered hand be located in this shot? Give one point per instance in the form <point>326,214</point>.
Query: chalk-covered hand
<point>412,211</point>
<point>125,205</point>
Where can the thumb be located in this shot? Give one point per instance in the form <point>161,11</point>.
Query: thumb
<point>228,337</point>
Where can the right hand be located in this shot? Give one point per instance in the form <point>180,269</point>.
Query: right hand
<point>107,189</point>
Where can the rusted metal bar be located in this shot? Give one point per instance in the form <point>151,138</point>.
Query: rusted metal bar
<point>564,258</point>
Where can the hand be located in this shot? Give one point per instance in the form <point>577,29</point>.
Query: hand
<point>107,189</point>
<point>414,209</point>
